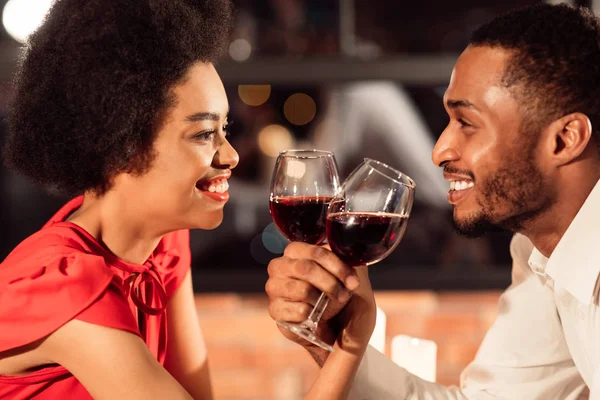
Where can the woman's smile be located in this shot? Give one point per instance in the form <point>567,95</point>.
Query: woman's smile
<point>215,188</point>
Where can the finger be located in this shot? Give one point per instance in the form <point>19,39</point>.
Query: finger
<point>283,310</point>
<point>326,258</point>
<point>313,273</point>
<point>307,271</point>
<point>292,289</point>
<point>278,267</point>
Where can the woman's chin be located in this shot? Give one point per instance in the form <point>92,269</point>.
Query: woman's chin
<point>208,222</point>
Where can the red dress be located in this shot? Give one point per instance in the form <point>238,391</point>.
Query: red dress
<point>62,273</point>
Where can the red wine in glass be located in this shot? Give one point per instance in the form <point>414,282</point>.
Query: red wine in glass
<point>301,219</point>
<point>303,184</point>
<point>364,238</point>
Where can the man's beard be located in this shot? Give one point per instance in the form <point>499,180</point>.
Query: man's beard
<point>511,196</point>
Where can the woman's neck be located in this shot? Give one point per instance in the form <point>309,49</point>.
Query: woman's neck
<point>118,224</point>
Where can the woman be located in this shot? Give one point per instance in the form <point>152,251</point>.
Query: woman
<point>116,101</point>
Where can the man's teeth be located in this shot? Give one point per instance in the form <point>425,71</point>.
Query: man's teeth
<point>219,188</point>
<point>461,185</point>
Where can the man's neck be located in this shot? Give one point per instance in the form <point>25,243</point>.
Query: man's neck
<point>546,230</point>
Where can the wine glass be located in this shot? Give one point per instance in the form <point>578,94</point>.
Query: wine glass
<point>303,184</point>
<point>366,219</point>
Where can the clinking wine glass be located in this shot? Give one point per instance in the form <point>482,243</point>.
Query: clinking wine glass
<point>303,184</point>
<point>365,221</point>
<point>368,218</point>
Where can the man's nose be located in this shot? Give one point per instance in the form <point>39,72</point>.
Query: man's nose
<point>445,149</point>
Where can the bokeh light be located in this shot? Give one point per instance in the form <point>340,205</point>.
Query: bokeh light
<point>296,169</point>
<point>273,240</point>
<point>299,109</point>
<point>258,251</point>
<point>22,17</point>
<point>254,95</point>
<point>273,139</point>
<point>240,50</point>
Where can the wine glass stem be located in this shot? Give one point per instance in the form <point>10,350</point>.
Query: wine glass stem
<point>315,316</point>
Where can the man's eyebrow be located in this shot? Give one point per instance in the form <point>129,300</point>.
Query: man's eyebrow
<point>460,104</point>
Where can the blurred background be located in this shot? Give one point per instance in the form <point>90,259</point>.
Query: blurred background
<point>363,78</point>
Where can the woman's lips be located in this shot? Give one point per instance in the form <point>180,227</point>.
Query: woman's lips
<point>216,189</point>
<point>216,196</point>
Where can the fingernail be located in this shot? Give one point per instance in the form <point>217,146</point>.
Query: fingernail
<point>352,282</point>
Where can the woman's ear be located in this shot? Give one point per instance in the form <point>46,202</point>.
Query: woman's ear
<point>568,137</point>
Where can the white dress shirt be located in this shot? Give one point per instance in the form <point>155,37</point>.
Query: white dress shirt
<point>545,342</point>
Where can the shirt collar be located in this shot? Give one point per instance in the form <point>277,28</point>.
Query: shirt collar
<point>575,262</point>
<point>538,262</point>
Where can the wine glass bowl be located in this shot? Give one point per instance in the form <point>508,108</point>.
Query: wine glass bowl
<point>362,239</point>
<point>303,184</point>
<point>301,219</point>
<point>368,217</point>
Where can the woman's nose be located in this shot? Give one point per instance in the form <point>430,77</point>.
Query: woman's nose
<point>226,156</point>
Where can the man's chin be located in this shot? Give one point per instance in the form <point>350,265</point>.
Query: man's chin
<point>472,227</point>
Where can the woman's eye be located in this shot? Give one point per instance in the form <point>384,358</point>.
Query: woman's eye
<point>206,135</point>
<point>227,128</point>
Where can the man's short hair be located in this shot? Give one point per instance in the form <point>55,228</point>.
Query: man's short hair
<point>555,68</point>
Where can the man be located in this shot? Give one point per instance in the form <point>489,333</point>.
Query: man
<point>521,152</point>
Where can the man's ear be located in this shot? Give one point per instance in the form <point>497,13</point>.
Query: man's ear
<point>568,137</point>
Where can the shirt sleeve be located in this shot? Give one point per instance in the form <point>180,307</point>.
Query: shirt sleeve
<point>174,259</point>
<point>523,356</point>
<point>111,309</point>
<point>44,294</point>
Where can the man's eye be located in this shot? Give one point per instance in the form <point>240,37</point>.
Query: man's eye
<point>462,122</point>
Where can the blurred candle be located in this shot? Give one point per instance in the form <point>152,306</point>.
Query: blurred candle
<point>378,337</point>
<point>418,356</point>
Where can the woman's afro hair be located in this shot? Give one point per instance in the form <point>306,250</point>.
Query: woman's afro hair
<point>95,80</point>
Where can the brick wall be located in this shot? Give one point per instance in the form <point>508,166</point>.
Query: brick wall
<point>250,359</point>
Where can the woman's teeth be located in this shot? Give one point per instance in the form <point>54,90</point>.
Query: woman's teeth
<point>461,185</point>
<point>220,188</point>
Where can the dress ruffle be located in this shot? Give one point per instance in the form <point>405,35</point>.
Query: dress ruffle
<point>45,294</point>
